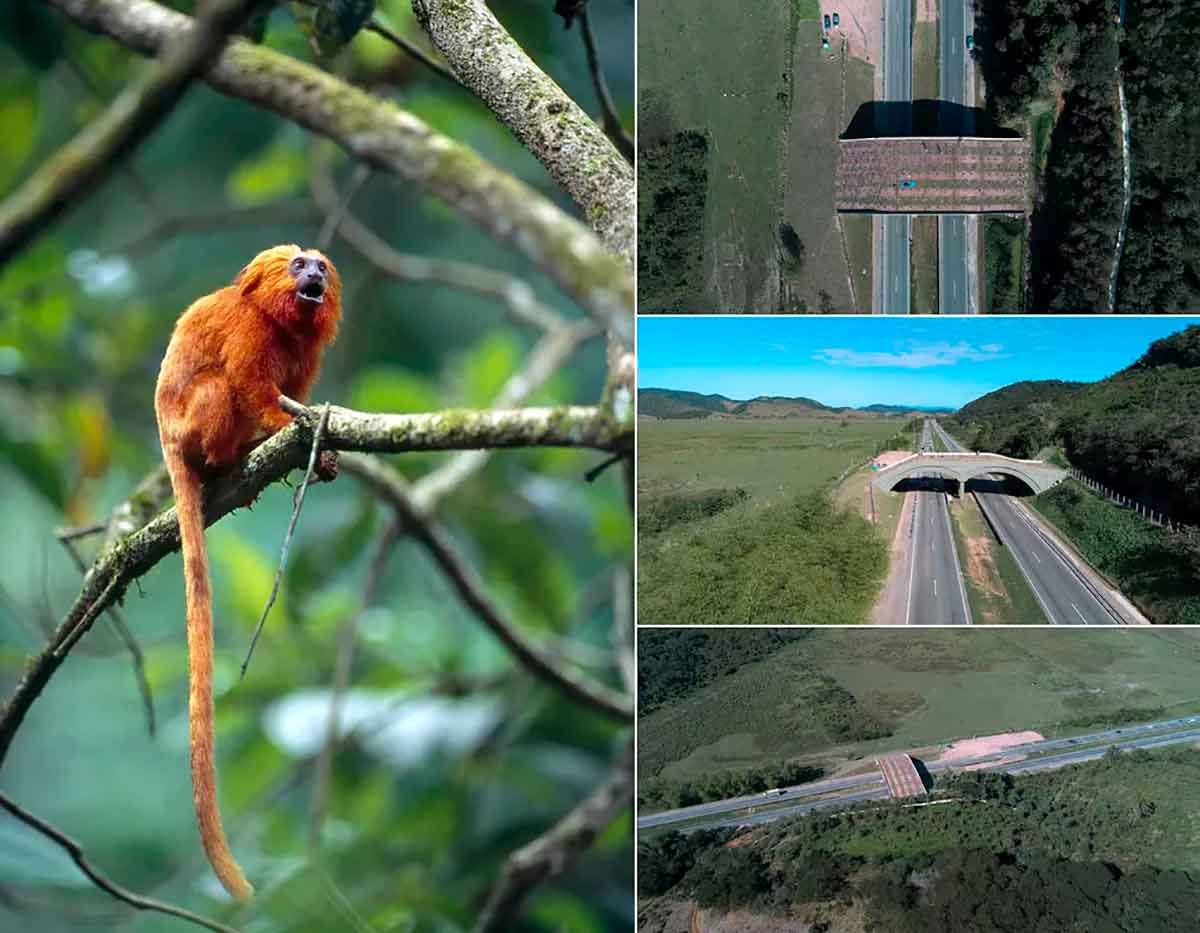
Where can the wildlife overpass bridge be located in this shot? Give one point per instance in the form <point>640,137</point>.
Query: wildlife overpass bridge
<point>933,175</point>
<point>963,466</point>
<point>901,774</point>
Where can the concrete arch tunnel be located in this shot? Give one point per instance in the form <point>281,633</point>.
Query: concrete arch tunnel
<point>962,467</point>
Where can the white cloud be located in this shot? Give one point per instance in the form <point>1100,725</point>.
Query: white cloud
<point>914,355</point>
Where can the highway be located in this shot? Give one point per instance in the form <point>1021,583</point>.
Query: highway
<point>956,262</point>
<point>936,592</point>
<point>871,786</point>
<point>892,266</point>
<point>1066,594</point>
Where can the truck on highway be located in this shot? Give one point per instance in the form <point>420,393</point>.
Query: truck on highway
<point>774,792</point>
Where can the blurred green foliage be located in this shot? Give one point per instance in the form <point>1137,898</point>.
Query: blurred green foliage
<point>458,757</point>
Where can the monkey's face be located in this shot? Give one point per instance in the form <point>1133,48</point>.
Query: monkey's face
<point>292,283</point>
<point>310,271</point>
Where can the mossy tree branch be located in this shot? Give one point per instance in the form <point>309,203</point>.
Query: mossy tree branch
<point>388,138</point>
<point>84,161</point>
<point>128,558</point>
<point>576,152</point>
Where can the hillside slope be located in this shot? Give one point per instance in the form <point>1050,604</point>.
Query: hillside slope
<point>1136,431</point>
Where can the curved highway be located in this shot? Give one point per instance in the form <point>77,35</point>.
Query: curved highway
<point>1063,590</point>
<point>839,792</point>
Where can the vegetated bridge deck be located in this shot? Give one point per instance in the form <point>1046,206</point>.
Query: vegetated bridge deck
<point>953,175</point>
<point>963,466</point>
<point>900,773</point>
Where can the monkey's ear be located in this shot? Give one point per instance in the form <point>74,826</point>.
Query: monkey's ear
<point>249,278</point>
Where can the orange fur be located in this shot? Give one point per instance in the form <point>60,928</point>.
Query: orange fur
<point>233,353</point>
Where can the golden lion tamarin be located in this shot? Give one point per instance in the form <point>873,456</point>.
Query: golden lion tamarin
<point>233,353</point>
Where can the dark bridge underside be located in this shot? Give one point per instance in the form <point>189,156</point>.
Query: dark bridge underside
<point>953,175</point>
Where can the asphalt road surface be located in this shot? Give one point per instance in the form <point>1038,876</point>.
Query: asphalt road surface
<point>871,785</point>
<point>893,264</point>
<point>1060,588</point>
<point>936,594</point>
<point>953,74</point>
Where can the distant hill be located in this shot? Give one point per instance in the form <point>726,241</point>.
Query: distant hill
<point>676,403</point>
<point>906,409</point>
<point>1137,430</point>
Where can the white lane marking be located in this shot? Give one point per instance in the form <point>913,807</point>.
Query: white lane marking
<point>1051,546</point>
<point>1080,614</point>
<point>935,587</point>
<point>1029,579</point>
<point>912,561</point>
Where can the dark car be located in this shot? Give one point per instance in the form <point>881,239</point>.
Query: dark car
<point>836,21</point>
<point>826,21</point>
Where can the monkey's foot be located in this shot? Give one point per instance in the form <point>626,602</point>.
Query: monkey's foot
<point>326,467</point>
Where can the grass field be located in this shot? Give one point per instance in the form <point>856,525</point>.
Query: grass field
<point>997,590</point>
<point>858,229</point>
<point>772,460</point>
<point>924,685</point>
<point>925,61</point>
<point>819,114</point>
<point>707,65</point>
<point>924,265</point>
<point>784,553</point>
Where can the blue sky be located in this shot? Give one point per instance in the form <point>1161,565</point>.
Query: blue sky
<point>856,361</point>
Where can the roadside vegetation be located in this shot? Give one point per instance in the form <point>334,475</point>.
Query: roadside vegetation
<point>1106,845</point>
<point>1160,52</point>
<point>672,182</point>
<point>1156,568</point>
<point>1136,432</point>
<point>1004,251</point>
<point>658,793</point>
<point>794,562</point>
<point>1049,71</point>
<point>737,520</point>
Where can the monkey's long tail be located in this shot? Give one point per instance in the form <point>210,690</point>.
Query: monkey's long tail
<point>200,673</point>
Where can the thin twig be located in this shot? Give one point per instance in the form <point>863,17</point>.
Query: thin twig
<point>127,638</point>
<point>334,218</point>
<point>546,357</point>
<point>623,628</point>
<point>390,486</point>
<point>82,531</point>
<point>136,543</point>
<point>412,49</point>
<point>557,850</point>
<point>517,295</point>
<point>73,849</point>
<point>346,643</point>
<point>392,140</point>
<point>79,166</point>
<point>297,505</point>
<point>608,111</point>
<point>594,473</point>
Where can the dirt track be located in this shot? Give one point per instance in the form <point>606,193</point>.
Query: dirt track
<point>987,744</point>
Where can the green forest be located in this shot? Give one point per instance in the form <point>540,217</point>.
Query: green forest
<point>1136,433</point>
<point>1061,58</point>
<point>435,729</point>
<point>1108,845</point>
